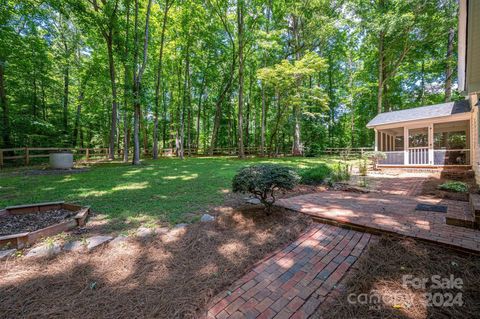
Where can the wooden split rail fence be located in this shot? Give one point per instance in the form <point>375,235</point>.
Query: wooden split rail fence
<point>26,154</point>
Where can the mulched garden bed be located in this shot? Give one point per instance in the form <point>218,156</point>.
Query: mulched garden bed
<point>155,278</point>
<point>430,188</point>
<point>23,223</point>
<point>380,271</point>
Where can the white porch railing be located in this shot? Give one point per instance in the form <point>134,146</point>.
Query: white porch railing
<point>418,156</point>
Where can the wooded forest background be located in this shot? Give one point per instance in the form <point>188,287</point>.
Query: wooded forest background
<point>277,75</point>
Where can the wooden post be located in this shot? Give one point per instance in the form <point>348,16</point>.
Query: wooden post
<point>27,156</point>
<point>405,146</point>
<point>107,153</point>
<point>87,155</point>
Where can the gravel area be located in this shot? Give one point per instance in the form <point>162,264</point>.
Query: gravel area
<point>14,224</point>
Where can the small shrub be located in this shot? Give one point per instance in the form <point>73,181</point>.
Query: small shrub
<point>263,181</point>
<point>454,186</point>
<point>315,175</point>
<point>363,167</point>
<point>341,172</point>
<point>375,157</point>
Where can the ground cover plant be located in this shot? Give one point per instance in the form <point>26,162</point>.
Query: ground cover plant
<point>315,175</point>
<point>381,270</point>
<point>454,186</point>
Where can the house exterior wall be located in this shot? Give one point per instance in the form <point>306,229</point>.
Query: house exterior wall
<point>469,46</point>
<point>475,138</point>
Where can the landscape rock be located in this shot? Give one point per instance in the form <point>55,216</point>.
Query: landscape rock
<point>178,226</point>
<point>74,246</point>
<point>161,230</point>
<point>253,201</point>
<point>95,241</point>
<point>4,254</point>
<point>120,240</point>
<point>45,250</point>
<point>144,232</point>
<point>207,218</point>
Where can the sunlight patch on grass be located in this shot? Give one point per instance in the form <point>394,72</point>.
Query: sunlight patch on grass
<point>130,186</point>
<point>181,177</point>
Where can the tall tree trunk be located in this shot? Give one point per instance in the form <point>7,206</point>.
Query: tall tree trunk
<point>218,107</point>
<point>240,25</point>
<point>165,120</point>
<point>126,89</point>
<point>159,81</point>
<point>137,79</point>
<point>263,122</point>
<point>4,105</point>
<point>186,94</point>
<point>113,126</point>
<point>199,112</point>
<point>76,127</point>
<point>297,143</point>
<point>381,61</point>
<point>35,98</point>
<point>66,84</point>
<point>448,70</point>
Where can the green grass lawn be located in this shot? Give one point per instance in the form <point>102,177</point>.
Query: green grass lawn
<point>165,189</point>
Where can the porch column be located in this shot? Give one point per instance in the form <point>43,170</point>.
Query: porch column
<point>405,145</point>
<point>430,144</point>
<point>376,140</point>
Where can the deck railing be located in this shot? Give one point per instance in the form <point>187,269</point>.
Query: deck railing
<point>418,156</point>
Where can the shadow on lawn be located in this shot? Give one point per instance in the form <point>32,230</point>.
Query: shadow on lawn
<point>163,277</point>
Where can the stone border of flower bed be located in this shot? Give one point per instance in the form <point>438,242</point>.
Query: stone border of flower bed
<point>22,240</point>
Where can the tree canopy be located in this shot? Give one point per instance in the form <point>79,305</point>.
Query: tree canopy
<point>198,75</point>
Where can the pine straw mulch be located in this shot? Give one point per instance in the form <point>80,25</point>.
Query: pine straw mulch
<point>164,277</point>
<point>380,271</point>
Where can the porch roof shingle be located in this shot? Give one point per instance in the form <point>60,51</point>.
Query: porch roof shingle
<point>420,113</point>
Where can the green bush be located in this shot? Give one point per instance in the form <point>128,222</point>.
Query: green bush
<point>315,175</point>
<point>363,167</point>
<point>454,186</point>
<point>341,172</point>
<point>263,181</point>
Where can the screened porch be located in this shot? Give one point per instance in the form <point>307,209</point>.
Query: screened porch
<point>430,144</point>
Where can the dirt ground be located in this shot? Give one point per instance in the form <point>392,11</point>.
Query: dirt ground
<point>379,276</point>
<point>162,277</point>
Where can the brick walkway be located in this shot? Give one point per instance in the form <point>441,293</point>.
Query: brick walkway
<point>405,186</point>
<point>294,281</point>
<point>377,212</point>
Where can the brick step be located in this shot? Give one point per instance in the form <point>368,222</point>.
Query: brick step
<point>469,218</point>
<point>475,207</point>
<point>462,220</point>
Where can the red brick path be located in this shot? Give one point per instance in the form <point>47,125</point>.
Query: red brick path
<point>406,186</point>
<point>388,213</point>
<point>293,282</point>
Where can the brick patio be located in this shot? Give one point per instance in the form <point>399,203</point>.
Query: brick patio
<point>377,212</point>
<point>294,281</point>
